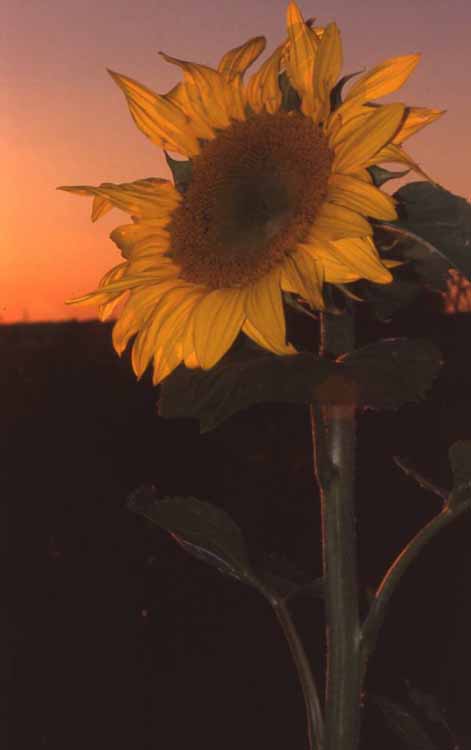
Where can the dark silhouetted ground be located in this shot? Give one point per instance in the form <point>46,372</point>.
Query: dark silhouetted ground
<point>117,639</point>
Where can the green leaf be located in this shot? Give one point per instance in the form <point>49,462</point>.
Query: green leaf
<point>404,725</point>
<point>387,299</point>
<point>246,375</point>
<point>181,171</point>
<point>440,218</point>
<point>204,531</point>
<point>392,372</point>
<point>380,175</point>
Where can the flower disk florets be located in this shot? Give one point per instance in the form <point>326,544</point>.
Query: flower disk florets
<point>254,195</point>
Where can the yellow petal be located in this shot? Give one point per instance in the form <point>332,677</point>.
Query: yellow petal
<point>335,222</point>
<point>262,90</point>
<point>281,348</point>
<point>341,127</point>
<point>165,270</point>
<point>130,237</point>
<point>235,100</point>
<point>301,52</point>
<point>148,198</point>
<point>416,119</point>
<point>169,351</point>
<point>329,61</point>
<point>114,274</point>
<point>264,309</point>
<point>359,147</point>
<point>181,98</point>
<point>206,91</point>
<point>146,341</point>
<point>384,79</point>
<point>335,272</point>
<point>360,255</point>
<point>360,196</point>
<point>305,277</point>
<point>218,320</point>
<point>157,117</point>
<point>237,60</point>
<point>134,315</point>
<point>106,309</point>
<point>395,153</point>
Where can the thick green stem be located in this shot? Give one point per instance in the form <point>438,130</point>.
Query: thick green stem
<point>315,724</point>
<point>334,451</point>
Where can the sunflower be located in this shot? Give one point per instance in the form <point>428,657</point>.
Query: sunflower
<point>273,195</point>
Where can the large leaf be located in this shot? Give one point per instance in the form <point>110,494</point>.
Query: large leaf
<point>392,372</point>
<point>246,375</point>
<point>442,220</point>
<point>206,532</point>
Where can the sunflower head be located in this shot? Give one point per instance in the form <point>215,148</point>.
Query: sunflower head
<point>274,195</point>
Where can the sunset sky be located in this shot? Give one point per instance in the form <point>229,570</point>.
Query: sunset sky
<point>67,123</point>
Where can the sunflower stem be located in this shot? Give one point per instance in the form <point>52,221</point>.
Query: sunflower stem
<point>333,432</point>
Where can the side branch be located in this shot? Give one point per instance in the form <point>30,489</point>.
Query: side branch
<point>387,586</point>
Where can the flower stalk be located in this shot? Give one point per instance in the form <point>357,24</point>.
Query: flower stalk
<point>333,426</point>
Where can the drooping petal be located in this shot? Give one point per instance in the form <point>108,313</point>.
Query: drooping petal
<point>358,195</point>
<point>147,339</point>
<point>157,117</point>
<point>149,198</point>
<point>262,90</point>
<point>360,146</point>
<point>335,272</point>
<point>360,256</point>
<point>264,309</point>
<point>237,60</point>
<point>218,320</point>
<point>169,351</point>
<point>134,315</point>
<point>281,348</point>
<point>206,91</point>
<point>334,222</point>
<point>304,277</point>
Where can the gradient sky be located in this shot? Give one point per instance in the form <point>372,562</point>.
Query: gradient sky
<point>67,123</point>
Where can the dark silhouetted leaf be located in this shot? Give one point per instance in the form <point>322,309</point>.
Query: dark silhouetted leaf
<point>246,375</point>
<point>440,218</point>
<point>380,175</point>
<point>203,530</point>
<point>181,171</point>
<point>387,299</point>
<point>392,372</point>
<point>404,725</point>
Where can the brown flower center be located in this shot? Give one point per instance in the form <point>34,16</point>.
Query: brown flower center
<point>254,194</point>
